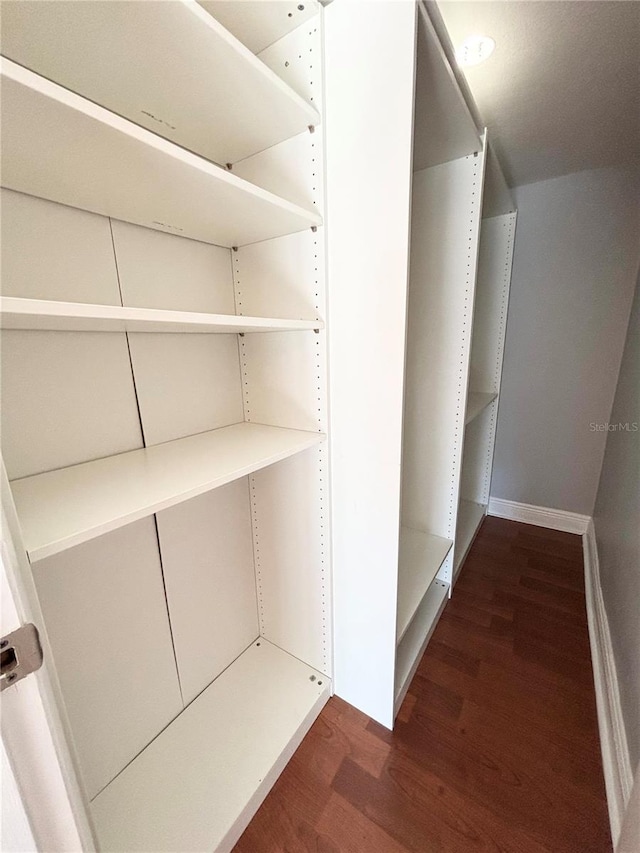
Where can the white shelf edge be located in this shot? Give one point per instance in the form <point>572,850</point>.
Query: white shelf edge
<point>199,783</point>
<point>470,516</point>
<point>48,315</point>
<point>421,556</point>
<point>95,40</point>
<point>63,508</point>
<point>147,151</point>
<point>477,402</point>
<point>415,641</point>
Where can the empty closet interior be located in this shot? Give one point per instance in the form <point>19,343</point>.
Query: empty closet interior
<point>443,335</point>
<point>164,387</point>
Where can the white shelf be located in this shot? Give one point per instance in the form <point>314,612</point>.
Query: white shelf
<point>421,555</point>
<point>61,147</point>
<point>470,515</point>
<point>60,509</point>
<point>169,67</point>
<point>197,785</point>
<point>476,403</point>
<point>415,640</point>
<point>17,313</point>
<point>259,23</point>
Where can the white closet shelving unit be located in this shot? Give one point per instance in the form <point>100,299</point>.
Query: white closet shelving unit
<point>167,479</point>
<point>420,371</point>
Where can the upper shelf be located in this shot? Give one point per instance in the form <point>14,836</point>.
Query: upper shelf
<point>170,67</point>
<point>42,314</point>
<point>62,147</point>
<point>477,401</point>
<point>260,23</point>
<point>63,508</point>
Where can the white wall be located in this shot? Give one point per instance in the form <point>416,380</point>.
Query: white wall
<point>617,525</point>
<point>575,262</point>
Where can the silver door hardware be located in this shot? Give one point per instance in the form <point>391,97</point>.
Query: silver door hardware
<point>21,654</point>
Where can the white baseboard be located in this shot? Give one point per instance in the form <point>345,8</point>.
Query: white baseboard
<point>618,775</point>
<point>541,516</point>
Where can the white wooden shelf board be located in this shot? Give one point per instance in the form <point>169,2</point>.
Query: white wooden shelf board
<point>477,401</point>
<point>17,313</point>
<point>416,638</point>
<point>62,508</point>
<point>170,67</point>
<point>421,555</point>
<point>59,146</point>
<point>470,515</point>
<point>259,24</point>
<point>197,785</point>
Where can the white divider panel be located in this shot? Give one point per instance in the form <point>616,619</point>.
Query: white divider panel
<point>476,458</point>
<point>159,270</point>
<point>259,23</point>
<point>207,558</point>
<point>369,125</point>
<point>444,246</point>
<point>106,618</point>
<point>67,397</point>
<point>294,169</point>
<point>50,251</point>
<point>291,545</point>
<point>444,127</point>
<point>492,298</point>
<point>186,384</point>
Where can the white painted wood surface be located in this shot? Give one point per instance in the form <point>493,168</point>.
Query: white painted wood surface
<point>186,384</point>
<point>34,727</point>
<point>477,401</point>
<point>291,535</point>
<point>444,233</point>
<point>54,252</point>
<point>199,783</point>
<point>63,508</point>
<point>369,196</point>
<point>421,555</point>
<point>497,236</point>
<point>158,270</point>
<point>142,178</point>
<point>169,67</point>
<point>91,414</point>
<point>106,616</point>
<point>477,457</point>
<point>415,640</point>
<point>207,560</point>
<point>259,23</point>
<point>497,199</point>
<point>470,515</point>
<point>444,127</point>
<point>42,314</point>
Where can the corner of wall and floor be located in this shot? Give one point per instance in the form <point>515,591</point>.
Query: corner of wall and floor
<point>616,759</point>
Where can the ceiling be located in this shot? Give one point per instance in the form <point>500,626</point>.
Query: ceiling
<point>561,92</point>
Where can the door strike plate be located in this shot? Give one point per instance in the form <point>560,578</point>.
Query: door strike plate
<point>21,654</point>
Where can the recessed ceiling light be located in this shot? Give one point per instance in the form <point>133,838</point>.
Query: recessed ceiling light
<point>474,50</point>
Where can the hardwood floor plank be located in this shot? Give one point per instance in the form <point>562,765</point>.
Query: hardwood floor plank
<point>496,745</point>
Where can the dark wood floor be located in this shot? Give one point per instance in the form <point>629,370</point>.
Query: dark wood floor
<point>496,745</point>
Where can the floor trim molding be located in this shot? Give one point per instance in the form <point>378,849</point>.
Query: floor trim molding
<point>541,516</point>
<point>618,774</point>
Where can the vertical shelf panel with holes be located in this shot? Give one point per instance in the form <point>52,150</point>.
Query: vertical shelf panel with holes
<point>497,234</point>
<point>165,397</point>
<point>397,484</point>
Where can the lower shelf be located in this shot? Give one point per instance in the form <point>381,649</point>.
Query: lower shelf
<point>199,783</point>
<point>470,515</point>
<point>421,555</point>
<point>415,640</point>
